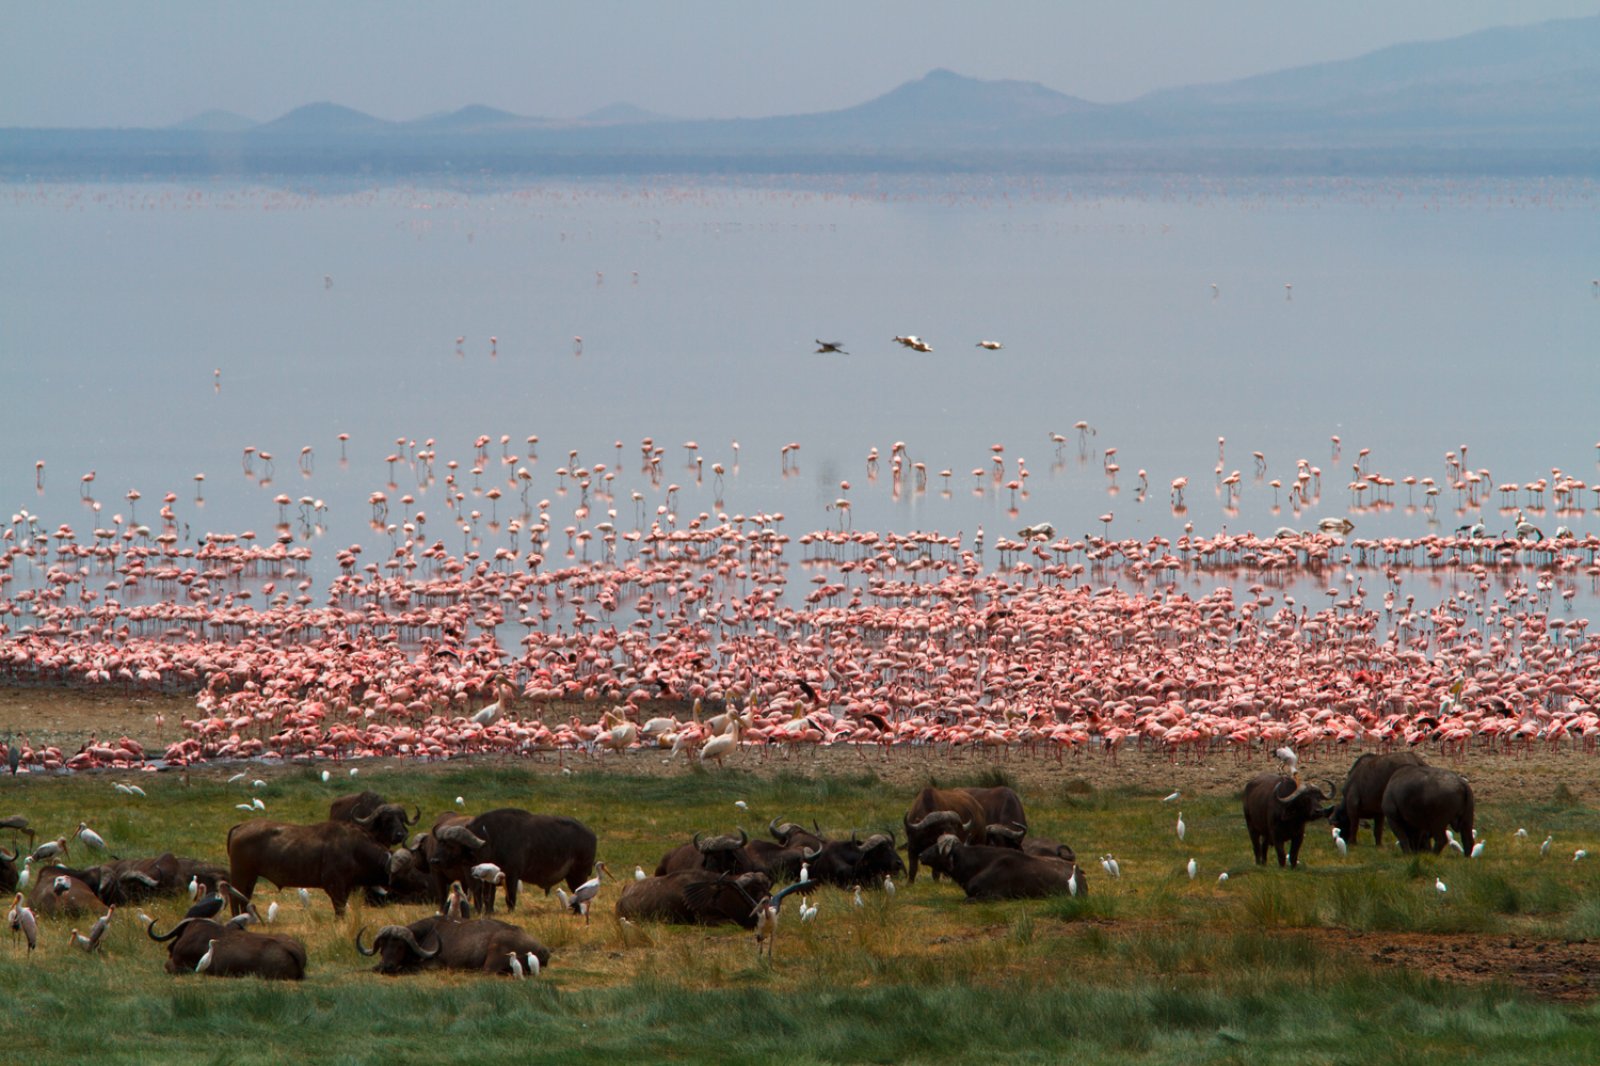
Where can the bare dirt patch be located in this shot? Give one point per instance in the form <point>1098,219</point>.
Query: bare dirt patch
<point>1567,971</point>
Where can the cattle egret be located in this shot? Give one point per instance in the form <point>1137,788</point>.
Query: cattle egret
<point>1440,887</point>
<point>90,837</point>
<point>1477,850</point>
<point>533,964</point>
<point>638,873</point>
<point>489,873</point>
<point>1521,834</point>
<point>194,888</point>
<point>244,807</point>
<point>305,898</point>
<point>1222,878</point>
<point>272,912</point>
<point>858,900</point>
<point>257,804</point>
<point>1544,849</point>
<point>1171,797</point>
<point>205,960</point>
<point>741,804</point>
<point>461,801</point>
<point>1182,829</point>
<point>1340,843</point>
<point>888,885</point>
<point>1193,868</point>
<point>326,777</point>
<point>120,787</point>
<point>136,790</point>
<point>258,783</point>
<point>1072,883</point>
<point>25,875</point>
<point>1579,854</point>
<point>1112,867</point>
<point>808,910</point>
<point>1450,839</point>
<point>1289,759</point>
<point>236,778</point>
<point>515,964</point>
<point>805,870</point>
<point>354,770</point>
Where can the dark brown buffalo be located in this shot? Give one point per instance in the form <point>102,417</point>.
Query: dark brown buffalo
<point>1276,810</point>
<point>780,857</point>
<point>385,822</point>
<point>437,942</point>
<point>1018,837</point>
<point>1363,793</point>
<point>935,812</point>
<point>1001,805</point>
<point>1421,802</point>
<point>337,857</point>
<point>8,871</point>
<point>695,897</point>
<point>852,862</point>
<point>410,880</point>
<point>132,880</point>
<point>541,849</point>
<point>987,873</point>
<point>723,854</point>
<point>59,893</point>
<point>237,953</point>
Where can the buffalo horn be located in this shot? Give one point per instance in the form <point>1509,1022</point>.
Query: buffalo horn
<point>369,952</point>
<point>744,838</point>
<point>937,818</point>
<point>7,858</point>
<point>460,834</point>
<point>809,854</point>
<point>1333,790</point>
<point>414,819</point>
<point>366,819</point>
<point>1006,832</point>
<point>142,878</point>
<point>150,930</point>
<point>877,840</point>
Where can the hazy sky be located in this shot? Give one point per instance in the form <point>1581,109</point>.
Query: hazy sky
<point>127,63</point>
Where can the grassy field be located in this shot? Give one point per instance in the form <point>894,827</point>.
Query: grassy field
<point>1349,960</point>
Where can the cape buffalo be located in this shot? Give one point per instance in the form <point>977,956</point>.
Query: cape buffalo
<point>8,871</point>
<point>385,822</point>
<point>1421,802</point>
<point>1363,793</point>
<point>438,942</point>
<point>851,862</point>
<point>336,857</point>
<point>58,892</point>
<point>935,812</point>
<point>720,854</point>
<point>541,849</point>
<point>780,858</point>
<point>1018,837</point>
<point>1001,805</point>
<point>237,952</point>
<point>1276,810</point>
<point>986,873</point>
<point>694,897</point>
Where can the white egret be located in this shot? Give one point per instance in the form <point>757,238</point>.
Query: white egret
<point>1193,868</point>
<point>1182,829</point>
<point>205,960</point>
<point>515,964</point>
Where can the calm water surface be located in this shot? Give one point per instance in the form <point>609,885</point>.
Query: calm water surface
<point>149,333</point>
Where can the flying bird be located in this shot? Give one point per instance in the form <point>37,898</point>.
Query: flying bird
<point>993,346</point>
<point>823,347</point>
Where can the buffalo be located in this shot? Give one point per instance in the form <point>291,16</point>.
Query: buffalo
<point>58,892</point>
<point>693,897</point>
<point>236,953</point>
<point>132,880</point>
<point>724,854</point>
<point>384,822</point>
<point>437,942</point>
<point>8,871</point>
<point>336,857</point>
<point>1017,837</point>
<point>1421,802</point>
<point>853,862</point>
<point>541,849</point>
<point>989,873</point>
<point>1276,810</point>
<point>937,811</point>
<point>1001,805</point>
<point>1363,793</point>
<point>780,858</point>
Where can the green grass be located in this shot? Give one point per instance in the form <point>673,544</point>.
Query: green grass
<point>1154,968</point>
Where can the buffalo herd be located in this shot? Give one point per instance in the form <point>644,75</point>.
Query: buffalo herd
<point>978,838</point>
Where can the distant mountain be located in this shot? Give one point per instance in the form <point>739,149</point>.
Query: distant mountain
<point>215,122</point>
<point>323,118</point>
<point>1513,100</point>
<point>619,114</point>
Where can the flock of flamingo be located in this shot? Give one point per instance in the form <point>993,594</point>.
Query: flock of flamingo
<point>717,635</point>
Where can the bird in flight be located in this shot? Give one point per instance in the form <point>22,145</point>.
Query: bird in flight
<point>831,346</point>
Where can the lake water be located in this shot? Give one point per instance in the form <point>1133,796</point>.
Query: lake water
<point>152,333</point>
